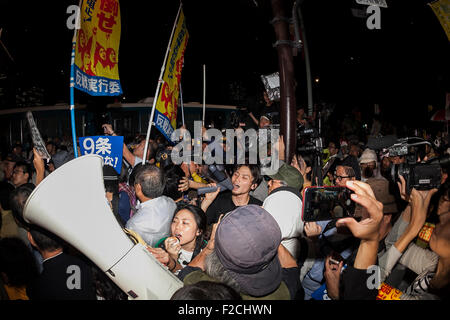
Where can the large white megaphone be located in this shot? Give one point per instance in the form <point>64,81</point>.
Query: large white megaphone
<point>71,203</point>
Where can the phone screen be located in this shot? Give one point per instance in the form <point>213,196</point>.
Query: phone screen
<point>327,203</point>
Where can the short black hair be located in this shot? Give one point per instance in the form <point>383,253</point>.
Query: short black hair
<point>133,174</point>
<point>349,172</point>
<point>152,181</point>
<point>44,239</point>
<point>26,167</point>
<point>255,171</point>
<point>173,175</point>
<point>17,200</point>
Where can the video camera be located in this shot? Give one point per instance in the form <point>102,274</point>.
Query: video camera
<point>309,141</point>
<point>419,175</point>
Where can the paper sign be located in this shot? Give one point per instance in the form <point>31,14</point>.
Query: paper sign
<point>272,85</point>
<point>110,148</point>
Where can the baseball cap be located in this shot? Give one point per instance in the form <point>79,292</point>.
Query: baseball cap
<point>290,175</point>
<point>246,243</point>
<point>267,116</point>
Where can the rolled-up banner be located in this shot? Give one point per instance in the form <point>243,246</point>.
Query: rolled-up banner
<point>38,142</point>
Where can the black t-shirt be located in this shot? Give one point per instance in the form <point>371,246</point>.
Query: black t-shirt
<point>262,109</point>
<point>224,204</point>
<point>353,285</point>
<point>65,277</point>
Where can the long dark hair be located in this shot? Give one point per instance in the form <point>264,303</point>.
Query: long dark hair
<point>200,219</point>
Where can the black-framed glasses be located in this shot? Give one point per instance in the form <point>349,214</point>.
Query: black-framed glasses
<point>341,177</point>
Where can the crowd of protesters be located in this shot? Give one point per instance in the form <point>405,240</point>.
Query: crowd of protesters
<point>249,241</point>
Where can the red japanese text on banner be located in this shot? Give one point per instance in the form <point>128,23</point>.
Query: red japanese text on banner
<point>97,48</point>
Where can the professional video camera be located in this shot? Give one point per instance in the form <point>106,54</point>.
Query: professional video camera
<point>423,175</point>
<point>309,141</point>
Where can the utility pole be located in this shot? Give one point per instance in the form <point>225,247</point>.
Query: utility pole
<point>307,61</point>
<point>287,89</point>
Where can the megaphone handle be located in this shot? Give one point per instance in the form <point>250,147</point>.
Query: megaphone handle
<point>206,190</point>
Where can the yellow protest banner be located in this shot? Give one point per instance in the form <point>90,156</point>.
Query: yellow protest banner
<point>167,103</point>
<point>386,292</point>
<point>442,10</point>
<point>97,48</point>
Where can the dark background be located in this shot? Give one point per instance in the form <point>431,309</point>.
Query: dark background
<point>403,67</point>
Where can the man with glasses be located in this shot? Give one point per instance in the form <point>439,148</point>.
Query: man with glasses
<point>342,175</point>
<point>21,174</point>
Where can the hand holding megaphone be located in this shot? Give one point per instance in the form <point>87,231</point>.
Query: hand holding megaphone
<point>222,186</point>
<point>210,192</point>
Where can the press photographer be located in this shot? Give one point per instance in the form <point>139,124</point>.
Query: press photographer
<point>409,160</point>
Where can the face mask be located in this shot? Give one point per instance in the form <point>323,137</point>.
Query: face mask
<point>368,172</point>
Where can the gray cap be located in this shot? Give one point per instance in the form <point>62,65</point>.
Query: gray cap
<point>246,242</point>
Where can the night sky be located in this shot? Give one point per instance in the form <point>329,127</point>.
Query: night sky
<point>403,67</point>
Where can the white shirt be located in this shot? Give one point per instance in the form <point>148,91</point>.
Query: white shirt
<point>153,219</point>
<point>286,207</point>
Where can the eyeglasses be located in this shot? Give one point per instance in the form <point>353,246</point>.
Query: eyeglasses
<point>342,177</point>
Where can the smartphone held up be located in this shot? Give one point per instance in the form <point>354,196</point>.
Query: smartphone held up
<point>327,203</point>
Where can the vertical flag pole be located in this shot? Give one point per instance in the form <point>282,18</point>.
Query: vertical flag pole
<point>182,106</point>
<point>72,104</point>
<point>204,94</point>
<point>72,83</point>
<point>155,99</point>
